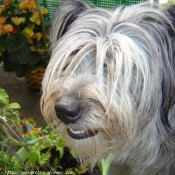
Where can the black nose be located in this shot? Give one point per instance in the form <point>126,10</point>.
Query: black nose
<point>68,110</point>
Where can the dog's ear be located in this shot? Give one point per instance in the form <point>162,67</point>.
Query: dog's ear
<point>170,13</point>
<point>67,12</point>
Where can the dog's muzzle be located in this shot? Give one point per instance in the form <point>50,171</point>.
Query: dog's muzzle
<point>69,111</point>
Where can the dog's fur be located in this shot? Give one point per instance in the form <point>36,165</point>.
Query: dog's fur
<point>112,75</point>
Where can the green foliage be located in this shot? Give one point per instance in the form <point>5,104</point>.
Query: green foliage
<point>31,155</point>
<point>80,170</point>
<point>104,165</point>
<point>35,146</point>
<point>24,36</point>
<point>15,42</point>
<point>3,97</point>
<point>7,109</point>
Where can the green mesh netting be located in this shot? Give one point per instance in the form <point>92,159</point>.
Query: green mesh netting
<point>51,5</point>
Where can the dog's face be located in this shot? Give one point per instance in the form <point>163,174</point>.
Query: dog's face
<point>105,70</point>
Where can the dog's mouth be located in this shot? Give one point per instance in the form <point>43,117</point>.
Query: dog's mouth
<point>81,134</point>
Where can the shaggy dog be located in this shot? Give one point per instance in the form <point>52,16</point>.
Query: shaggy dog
<point>110,85</point>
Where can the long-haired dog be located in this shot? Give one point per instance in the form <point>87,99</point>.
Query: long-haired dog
<point>110,85</point>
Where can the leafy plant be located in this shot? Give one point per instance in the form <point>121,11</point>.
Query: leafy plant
<point>24,35</point>
<point>104,165</point>
<point>36,144</point>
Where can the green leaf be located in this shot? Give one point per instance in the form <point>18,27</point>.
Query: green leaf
<point>32,157</point>
<point>28,136</point>
<point>15,42</point>
<point>22,55</point>
<point>19,62</point>
<point>16,165</point>
<point>73,154</point>
<point>17,118</point>
<point>14,106</point>
<point>17,11</point>
<point>21,70</point>
<point>36,144</point>
<point>44,158</point>
<point>80,170</point>
<point>52,135</point>
<point>16,114</point>
<point>104,165</point>
<point>3,157</point>
<point>34,134</point>
<point>61,151</point>
<point>22,154</point>
<point>3,97</point>
<point>34,59</point>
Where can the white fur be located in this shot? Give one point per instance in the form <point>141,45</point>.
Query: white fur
<point>120,66</point>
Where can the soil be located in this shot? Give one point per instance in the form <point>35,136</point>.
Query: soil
<point>66,162</point>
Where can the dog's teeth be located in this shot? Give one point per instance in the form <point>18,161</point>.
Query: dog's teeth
<point>76,131</point>
<point>81,134</point>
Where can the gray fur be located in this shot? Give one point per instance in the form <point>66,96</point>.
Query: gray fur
<point>119,65</point>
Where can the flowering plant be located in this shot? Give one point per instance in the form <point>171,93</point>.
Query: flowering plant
<point>23,35</point>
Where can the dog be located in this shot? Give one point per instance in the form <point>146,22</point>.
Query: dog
<point>110,85</point>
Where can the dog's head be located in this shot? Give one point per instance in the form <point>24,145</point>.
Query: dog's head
<point>107,79</point>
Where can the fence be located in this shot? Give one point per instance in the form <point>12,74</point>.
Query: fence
<point>51,5</point>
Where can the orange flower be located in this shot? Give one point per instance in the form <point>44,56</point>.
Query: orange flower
<point>38,36</point>
<point>27,4</point>
<point>41,51</point>
<point>8,28</point>
<point>35,18</point>
<point>30,41</point>
<point>2,20</point>
<point>17,20</point>
<point>28,32</point>
<point>33,130</point>
<point>44,11</point>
